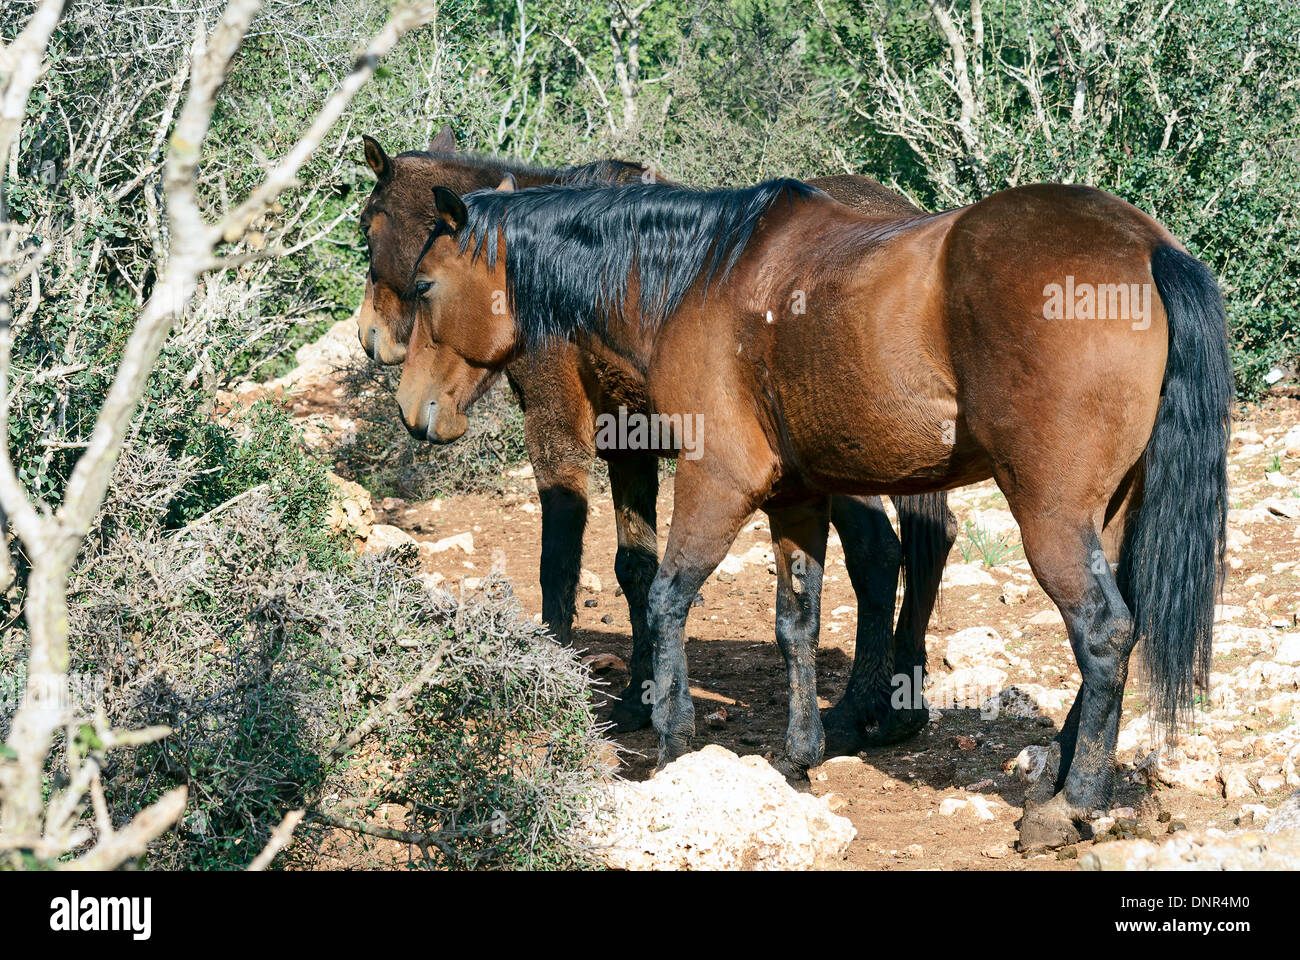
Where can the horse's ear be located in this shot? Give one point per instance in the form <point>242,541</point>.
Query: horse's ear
<point>450,207</point>
<point>378,160</point>
<point>444,142</point>
<point>508,184</point>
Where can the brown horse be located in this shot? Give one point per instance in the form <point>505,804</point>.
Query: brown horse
<point>566,390</point>
<point>1017,338</point>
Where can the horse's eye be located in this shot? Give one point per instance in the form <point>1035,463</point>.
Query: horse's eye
<point>422,287</point>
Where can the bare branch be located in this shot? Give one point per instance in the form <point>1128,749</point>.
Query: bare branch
<point>133,840</point>
<point>280,838</point>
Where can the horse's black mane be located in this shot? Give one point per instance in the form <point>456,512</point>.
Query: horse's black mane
<point>571,251</point>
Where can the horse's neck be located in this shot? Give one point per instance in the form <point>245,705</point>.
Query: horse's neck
<point>620,343</point>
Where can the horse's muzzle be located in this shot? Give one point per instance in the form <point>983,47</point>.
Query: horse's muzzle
<point>378,349</point>
<point>423,425</point>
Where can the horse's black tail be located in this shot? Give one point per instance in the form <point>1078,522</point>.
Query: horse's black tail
<point>1171,566</point>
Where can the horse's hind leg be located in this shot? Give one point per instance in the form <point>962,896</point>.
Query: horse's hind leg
<point>928,530</point>
<point>873,559</point>
<point>799,540</point>
<point>1119,514</point>
<point>883,655</point>
<point>1072,568</point>
<point>634,484</point>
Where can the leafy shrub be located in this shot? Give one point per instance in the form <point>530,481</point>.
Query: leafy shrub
<point>259,662</point>
<point>1186,110</point>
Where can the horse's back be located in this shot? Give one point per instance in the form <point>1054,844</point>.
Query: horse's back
<point>866,196</point>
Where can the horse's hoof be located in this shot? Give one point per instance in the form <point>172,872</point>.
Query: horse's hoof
<point>1048,826</point>
<point>841,741</point>
<point>670,749</point>
<point>792,770</point>
<point>629,713</point>
<point>899,726</point>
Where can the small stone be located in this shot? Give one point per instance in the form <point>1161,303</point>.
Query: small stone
<point>717,719</point>
<point>1286,507</point>
<point>975,647</point>
<point>1014,593</point>
<point>1031,763</point>
<point>967,575</point>
<point>461,541</point>
<point>983,809</point>
<point>713,810</point>
<point>604,661</point>
<point>1288,649</point>
<point>998,851</point>
<point>589,581</point>
<point>593,602</point>
<point>1236,785</point>
<point>950,805</point>
<point>1046,618</point>
<point>1067,853</point>
<point>730,566</point>
<point>1271,783</point>
<point>383,537</point>
<point>1252,814</point>
<point>350,510</point>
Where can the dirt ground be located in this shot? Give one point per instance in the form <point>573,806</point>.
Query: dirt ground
<point>912,803</point>
<point>892,795</point>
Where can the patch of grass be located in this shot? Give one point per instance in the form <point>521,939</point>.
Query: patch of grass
<point>991,549</point>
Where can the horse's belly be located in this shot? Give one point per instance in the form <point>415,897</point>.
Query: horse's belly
<point>868,431</point>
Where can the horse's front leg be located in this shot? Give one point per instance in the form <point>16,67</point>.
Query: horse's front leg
<point>708,512</point>
<point>562,466</point>
<point>799,540</point>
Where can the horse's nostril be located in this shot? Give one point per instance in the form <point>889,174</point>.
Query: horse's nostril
<point>431,418</point>
<point>372,342</point>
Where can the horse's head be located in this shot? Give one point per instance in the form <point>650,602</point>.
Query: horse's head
<point>464,331</point>
<point>395,221</point>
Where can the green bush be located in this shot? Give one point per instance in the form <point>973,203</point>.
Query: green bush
<point>1187,110</point>
<point>260,662</point>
